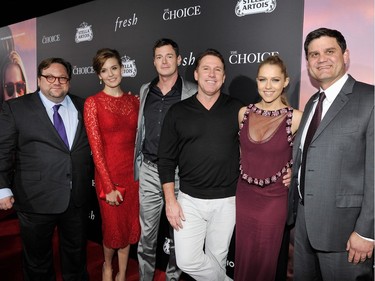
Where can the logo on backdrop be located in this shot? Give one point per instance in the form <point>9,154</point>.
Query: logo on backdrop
<point>50,39</point>
<point>92,215</point>
<point>130,69</point>
<point>82,70</point>
<point>84,33</point>
<point>167,246</point>
<point>249,7</point>
<point>181,13</point>
<point>189,60</point>
<point>120,23</point>
<point>237,58</point>
<point>230,263</point>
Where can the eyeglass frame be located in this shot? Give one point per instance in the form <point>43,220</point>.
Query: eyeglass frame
<point>17,86</point>
<point>49,77</point>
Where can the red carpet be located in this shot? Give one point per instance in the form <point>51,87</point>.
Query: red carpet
<point>10,255</point>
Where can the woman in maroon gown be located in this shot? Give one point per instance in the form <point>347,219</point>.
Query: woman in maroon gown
<point>267,129</point>
<point>111,121</point>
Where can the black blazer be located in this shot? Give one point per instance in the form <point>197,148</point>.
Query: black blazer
<point>34,161</point>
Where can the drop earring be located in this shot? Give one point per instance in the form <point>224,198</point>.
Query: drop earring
<point>100,81</point>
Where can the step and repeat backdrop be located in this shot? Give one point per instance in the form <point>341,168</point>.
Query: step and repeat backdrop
<point>244,31</point>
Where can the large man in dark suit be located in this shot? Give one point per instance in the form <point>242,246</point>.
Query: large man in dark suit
<point>46,180</point>
<point>334,235</point>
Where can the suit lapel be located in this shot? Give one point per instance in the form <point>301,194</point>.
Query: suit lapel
<point>337,105</point>
<point>80,121</point>
<point>302,125</point>
<point>44,121</point>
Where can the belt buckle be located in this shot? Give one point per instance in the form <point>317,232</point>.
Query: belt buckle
<point>150,163</point>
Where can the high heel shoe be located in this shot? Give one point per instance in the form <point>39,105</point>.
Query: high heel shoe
<point>106,276</point>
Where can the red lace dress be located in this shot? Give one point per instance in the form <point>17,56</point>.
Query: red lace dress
<point>111,124</point>
<point>261,197</point>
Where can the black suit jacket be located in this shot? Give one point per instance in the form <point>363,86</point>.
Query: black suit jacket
<point>34,161</point>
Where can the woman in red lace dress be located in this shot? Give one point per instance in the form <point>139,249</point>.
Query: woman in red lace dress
<point>111,120</point>
<point>267,129</point>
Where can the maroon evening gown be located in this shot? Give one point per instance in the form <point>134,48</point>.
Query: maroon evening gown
<point>261,198</point>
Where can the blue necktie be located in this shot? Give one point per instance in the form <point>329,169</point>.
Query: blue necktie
<point>314,124</point>
<point>59,124</point>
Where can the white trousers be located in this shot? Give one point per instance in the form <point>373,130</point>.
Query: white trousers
<point>202,244</point>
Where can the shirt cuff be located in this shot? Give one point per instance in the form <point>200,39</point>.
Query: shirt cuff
<point>5,192</point>
<point>368,239</point>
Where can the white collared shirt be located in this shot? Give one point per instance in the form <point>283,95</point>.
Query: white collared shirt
<point>331,93</point>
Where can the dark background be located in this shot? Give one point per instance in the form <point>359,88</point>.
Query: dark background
<point>215,26</point>
<point>13,14</point>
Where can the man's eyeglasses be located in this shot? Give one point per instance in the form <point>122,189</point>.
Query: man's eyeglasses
<point>52,79</point>
<point>19,86</point>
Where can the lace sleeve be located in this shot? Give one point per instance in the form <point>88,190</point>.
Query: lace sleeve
<point>96,144</point>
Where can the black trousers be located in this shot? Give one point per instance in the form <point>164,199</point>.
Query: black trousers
<point>37,232</point>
